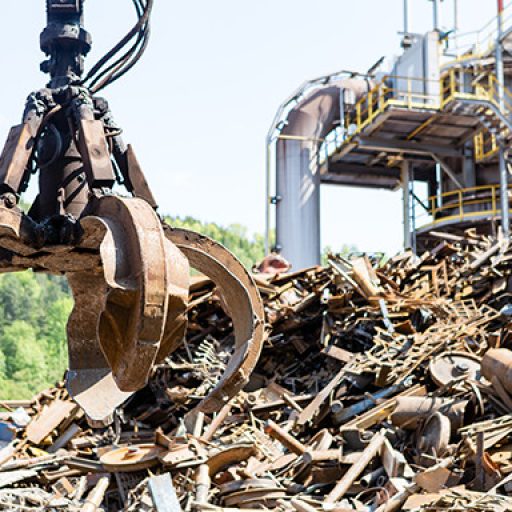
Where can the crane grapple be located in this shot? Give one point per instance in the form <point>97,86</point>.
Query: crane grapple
<point>128,270</point>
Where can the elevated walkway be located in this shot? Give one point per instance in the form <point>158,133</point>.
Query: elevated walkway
<point>393,123</point>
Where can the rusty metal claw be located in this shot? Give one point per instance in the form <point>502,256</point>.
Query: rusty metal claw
<point>242,302</point>
<point>121,316</point>
<point>129,273</point>
<point>133,314</point>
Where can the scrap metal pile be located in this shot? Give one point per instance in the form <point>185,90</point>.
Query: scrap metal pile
<point>381,386</point>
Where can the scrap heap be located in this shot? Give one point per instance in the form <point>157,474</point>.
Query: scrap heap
<point>381,386</point>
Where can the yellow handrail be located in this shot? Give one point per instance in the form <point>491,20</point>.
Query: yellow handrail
<point>459,205</point>
<point>453,85</point>
<point>475,44</point>
<point>486,145</point>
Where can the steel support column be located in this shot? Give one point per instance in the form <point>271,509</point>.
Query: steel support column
<point>406,200</point>
<point>436,14</point>
<point>412,209</point>
<point>298,202</point>
<point>406,17</point>
<point>468,166</point>
<point>268,198</point>
<point>500,75</point>
<point>439,189</point>
<point>455,16</point>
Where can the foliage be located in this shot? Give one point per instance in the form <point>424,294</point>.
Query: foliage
<point>345,250</point>
<point>33,315</point>
<point>235,237</point>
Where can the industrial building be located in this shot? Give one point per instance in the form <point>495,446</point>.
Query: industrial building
<point>439,120</point>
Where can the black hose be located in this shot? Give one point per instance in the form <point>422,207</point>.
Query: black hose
<point>100,77</point>
<point>120,60</point>
<point>116,76</point>
<point>119,46</point>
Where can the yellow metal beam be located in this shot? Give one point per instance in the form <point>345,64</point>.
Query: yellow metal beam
<point>420,128</point>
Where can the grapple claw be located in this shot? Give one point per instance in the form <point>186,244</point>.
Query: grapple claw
<point>120,316</point>
<point>242,302</point>
<point>133,314</point>
<point>129,272</point>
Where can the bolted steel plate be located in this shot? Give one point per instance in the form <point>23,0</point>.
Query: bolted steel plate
<point>451,366</point>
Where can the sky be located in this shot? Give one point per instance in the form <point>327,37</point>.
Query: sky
<point>198,106</point>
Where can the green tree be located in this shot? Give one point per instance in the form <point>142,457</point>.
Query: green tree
<point>25,355</point>
<point>20,294</point>
<point>53,333</point>
<point>249,250</point>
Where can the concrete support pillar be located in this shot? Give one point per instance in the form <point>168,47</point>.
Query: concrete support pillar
<point>298,202</point>
<point>406,200</point>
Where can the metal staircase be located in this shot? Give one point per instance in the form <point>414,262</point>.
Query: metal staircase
<point>480,98</point>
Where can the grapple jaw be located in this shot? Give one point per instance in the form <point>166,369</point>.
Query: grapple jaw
<point>133,314</point>
<point>129,273</point>
<point>120,314</point>
<point>242,302</point>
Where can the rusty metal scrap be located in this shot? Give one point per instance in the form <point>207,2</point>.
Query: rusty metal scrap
<point>380,387</point>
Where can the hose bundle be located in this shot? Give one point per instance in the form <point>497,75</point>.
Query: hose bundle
<point>125,54</point>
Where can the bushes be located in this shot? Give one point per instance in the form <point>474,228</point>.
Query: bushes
<point>234,237</point>
<point>33,349</point>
